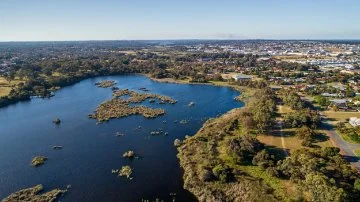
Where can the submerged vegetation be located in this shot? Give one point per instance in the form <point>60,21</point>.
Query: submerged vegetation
<point>118,107</point>
<point>33,194</point>
<point>57,121</point>
<point>38,161</point>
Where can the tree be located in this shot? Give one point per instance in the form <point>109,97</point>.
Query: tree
<point>307,135</point>
<point>243,148</point>
<point>322,101</point>
<point>223,173</point>
<point>322,188</point>
<point>263,159</point>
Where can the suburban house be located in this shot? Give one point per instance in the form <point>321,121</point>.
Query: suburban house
<point>354,121</point>
<point>341,103</point>
<point>241,77</point>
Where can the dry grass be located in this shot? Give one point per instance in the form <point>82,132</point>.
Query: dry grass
<point>282,109</point>
<point>6,86</point>
<point>341,116</point>
<point>357,152</point>
<point>4,91</point>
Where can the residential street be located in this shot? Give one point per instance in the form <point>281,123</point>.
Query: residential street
<point>347,148</point>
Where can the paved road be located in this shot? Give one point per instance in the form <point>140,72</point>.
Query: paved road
<point>346,147</point>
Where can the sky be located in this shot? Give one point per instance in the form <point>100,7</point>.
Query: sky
<point>62,20</point>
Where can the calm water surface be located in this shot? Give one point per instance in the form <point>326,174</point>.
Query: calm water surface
<point>91,151</point>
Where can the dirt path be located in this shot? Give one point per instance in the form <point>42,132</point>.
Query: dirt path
<point>280,124</point>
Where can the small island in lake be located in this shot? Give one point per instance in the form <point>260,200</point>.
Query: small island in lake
<point>32,194</point>
<point>118,107</point>
<point>38,161</point>
<point>105,84</point>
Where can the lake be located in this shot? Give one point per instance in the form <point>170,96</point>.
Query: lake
<point>91,151</point>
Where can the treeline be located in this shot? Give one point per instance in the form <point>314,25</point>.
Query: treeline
<point>260,114</point>
<point>219,162</point>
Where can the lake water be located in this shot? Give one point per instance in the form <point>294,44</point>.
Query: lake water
<point>91,151</point>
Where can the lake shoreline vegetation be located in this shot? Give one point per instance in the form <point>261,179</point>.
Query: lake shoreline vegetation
<point>224,161</point>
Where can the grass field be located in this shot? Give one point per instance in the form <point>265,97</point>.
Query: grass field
<point>357,152</point>
<point>341,116</point>
<point>346,137</point>
<point>6,86</point>
<point>286,139</point>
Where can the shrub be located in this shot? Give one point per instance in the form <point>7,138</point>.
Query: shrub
<point>243,148</point>
<point>223,173</point>
<point>263,159</point>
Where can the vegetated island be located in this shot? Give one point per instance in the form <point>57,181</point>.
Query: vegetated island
<point>105,84</point>
<point>225,161</point>
<point>118,107</point>
<point>125,171</point>
<point>32,194</point>
<point>38,161</point>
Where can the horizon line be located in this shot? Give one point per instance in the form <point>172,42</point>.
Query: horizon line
<point>180,39</point>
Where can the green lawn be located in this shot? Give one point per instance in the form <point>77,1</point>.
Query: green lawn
<point>357,152</point>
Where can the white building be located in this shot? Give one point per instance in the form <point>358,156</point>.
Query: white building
<point>354,121</point>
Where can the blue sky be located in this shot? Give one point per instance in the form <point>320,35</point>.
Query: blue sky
<point>42,20</point>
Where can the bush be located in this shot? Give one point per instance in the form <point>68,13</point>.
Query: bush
<point>223,173</point>
<point>206,175</point>
<point>357,184</point>
<point>243,148</point>
<point>263,159</point>
<point>331,151</point>
<point>272,171</point>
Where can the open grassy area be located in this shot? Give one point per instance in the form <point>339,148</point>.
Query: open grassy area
<point>357,152</point>
<point>341,116</point>
<point>6,86</point>
<point>4,91</point>
<point>282,109</point>
<point>286,139</point>
<point>346,137</point>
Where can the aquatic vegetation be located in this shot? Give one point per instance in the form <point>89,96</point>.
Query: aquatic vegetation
<point>38,161</point>
<point>139,97</point>
<point>191,104</point>
<point>32,194</point>
<point>144,89</point>
<point>114,88</point>
<point>184,121</point>
<point>118,134</point>
<point>125,171</point>
<point>159,132</point>
<point>57,121</point>
<point>57,147</point>
<point>129,154</point>
<point>105,84</point>
<point>177,142</point>
<point>118,107</point>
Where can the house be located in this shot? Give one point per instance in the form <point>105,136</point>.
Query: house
<point>354,121</point>
<point>241,77</point>
<point>329,94</point>
<point>341,103</point>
